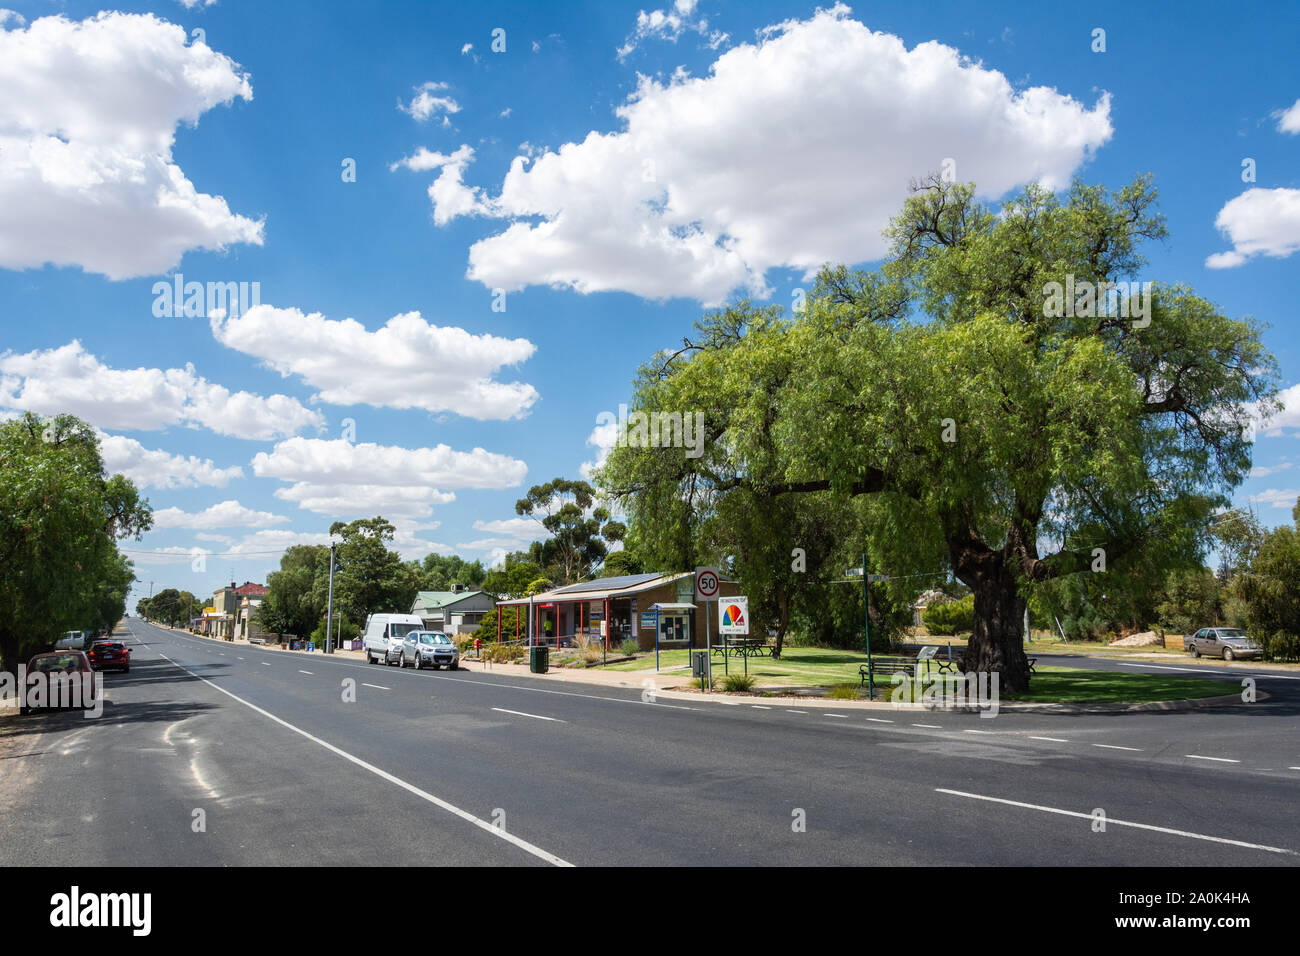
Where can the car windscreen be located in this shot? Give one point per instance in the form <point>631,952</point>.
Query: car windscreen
<point>1235,635</point>
<point>401,630</point>
<point>61,662</point>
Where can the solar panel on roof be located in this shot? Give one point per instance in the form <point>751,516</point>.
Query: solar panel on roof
<point>608,584</point>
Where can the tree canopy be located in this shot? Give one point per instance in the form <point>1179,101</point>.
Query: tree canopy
<point>990,428</point>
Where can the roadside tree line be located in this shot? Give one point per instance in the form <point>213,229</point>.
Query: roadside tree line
<point>61,516</point>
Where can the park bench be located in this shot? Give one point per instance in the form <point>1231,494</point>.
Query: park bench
<point>886,665</point>
<point>743,647</point>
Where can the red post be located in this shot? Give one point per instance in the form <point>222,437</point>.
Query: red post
<point>498,625</point>
<point>608,625</point>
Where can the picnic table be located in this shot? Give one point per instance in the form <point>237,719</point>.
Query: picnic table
<point>743,647</point>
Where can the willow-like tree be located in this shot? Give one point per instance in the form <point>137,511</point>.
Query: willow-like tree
<point>1018,431</point>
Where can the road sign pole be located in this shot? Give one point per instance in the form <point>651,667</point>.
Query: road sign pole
<point>329,613</point>
<point>866,626</point>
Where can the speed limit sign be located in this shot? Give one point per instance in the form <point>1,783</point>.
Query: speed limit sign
<point>707,584</point>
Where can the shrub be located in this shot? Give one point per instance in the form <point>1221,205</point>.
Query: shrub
<point>953,617</point>
<point>629,648</point>
<point>843,692</point>
<point>738,682</point>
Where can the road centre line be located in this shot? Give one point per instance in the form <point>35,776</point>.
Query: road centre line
<point>930,726</point>
<point>301,671</point>
<point>385,775</point>
<point>1116,747</point>
<point>1120,823</point>
<point>520,713</point>
<point>879,720</point>
<point>1055,740</point>
<point>1216,759</point>
<point>376,686</point>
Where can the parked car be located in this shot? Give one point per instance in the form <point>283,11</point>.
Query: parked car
<point>39,670</point>
<point>384,634</point>
<point>432,648</point>
<point>71,641</point>
<point>1230,643</point>
<point>110,656</point>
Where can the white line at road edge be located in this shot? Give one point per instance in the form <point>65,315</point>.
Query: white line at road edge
<point>1119,823</point>
<point>520,713</point>
<point>384,774</point>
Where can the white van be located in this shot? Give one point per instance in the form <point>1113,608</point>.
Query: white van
<point>382,641</point>
<point>71,641</point>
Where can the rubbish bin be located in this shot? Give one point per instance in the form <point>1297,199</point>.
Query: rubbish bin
<point>539,658</point>
<point>699,664</point>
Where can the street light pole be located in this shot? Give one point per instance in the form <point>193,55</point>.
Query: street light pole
<point>329,613</point>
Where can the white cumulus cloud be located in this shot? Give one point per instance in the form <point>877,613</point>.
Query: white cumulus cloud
<point>153,468</point>
<point>795,150</point>
<point>223,514</point>
<point>1288,120</point>
<point>88,116</point>
<point>406,363</point>
<point>1259,222</point>
<point>427,103</point>
<point>337,476</point>
<point>69,379</point>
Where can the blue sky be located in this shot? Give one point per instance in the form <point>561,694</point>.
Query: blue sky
<point>675,156</point>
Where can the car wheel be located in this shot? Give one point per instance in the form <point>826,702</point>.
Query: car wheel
<point>1227,654</point>
<point>1196,651</point>
<point>418,665</point>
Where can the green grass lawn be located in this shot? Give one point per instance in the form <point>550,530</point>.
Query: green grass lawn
<point>819,667</point>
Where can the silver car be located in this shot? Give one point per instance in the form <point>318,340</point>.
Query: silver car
<point>1229,643</point>
<point>429,648</point>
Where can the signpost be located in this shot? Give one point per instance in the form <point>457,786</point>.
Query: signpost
<point>733,618</point>
<point>707,586</point>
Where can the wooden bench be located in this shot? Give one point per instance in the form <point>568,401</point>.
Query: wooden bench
<point>885,665</point>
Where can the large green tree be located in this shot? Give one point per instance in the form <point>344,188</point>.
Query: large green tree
<point>952,388</point>
<point>368,576</point>
<point>61,515</point>
<point>579,531</point>
<point>297,593</point>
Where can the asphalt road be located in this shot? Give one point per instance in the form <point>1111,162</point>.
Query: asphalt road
<point>262,749</point>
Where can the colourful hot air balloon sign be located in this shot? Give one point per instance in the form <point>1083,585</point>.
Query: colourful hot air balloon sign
<point>733,615</point>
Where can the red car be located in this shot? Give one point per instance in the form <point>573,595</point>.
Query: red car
<point>43,690</point>
<point>110,656</point>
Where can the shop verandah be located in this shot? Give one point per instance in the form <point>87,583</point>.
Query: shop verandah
<point>608,611</point>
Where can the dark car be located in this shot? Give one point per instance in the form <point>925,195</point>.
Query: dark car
<point>110,656</point>
<point>59,680</point>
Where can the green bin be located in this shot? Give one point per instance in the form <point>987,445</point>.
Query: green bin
<point>539,658</point>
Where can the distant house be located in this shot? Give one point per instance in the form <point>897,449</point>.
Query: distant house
<point>454,611</point>
<point>226,621</point>
<point>923,602</point>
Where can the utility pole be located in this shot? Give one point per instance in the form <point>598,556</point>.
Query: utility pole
<point>329,613</point>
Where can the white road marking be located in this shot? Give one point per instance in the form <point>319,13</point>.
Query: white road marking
<point>803,712</point>
<point>845,716</point>
<point>1054,740</point>
<point>879,720</point>
<point>265,664</point>
<point>520,713</point>
<point>978,731</point>
<point>1293,768</point>
<point>1120,823</point>
<point>1216,759</point>
<point>301,671</point>
<point>930,726</point>
<point>759,707</point>
<point>1116,747</point>
<point>376,686</point>
<point>385,775</point>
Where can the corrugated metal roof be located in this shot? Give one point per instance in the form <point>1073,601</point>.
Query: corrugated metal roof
<point>607,584</point>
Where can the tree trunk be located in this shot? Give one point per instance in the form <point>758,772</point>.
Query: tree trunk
<point>9,652</point>
<point>996,646</point>
<point>781,626</point>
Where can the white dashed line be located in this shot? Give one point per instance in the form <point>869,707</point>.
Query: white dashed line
<point>930,726</point>
<point>978,731</point>
<point>376,686</point>
<point>1215,759</point>
<point>1119,823</point>
<point>265,664</point>
<point>801,712</point>
<point>300,671</point>
<point>759,707</point>
<point>879,720</point>
<point>520,713</point>
<point>843,716</point>
<point>1054,740</point>
<point>1115,747</point>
